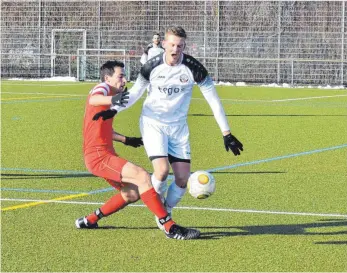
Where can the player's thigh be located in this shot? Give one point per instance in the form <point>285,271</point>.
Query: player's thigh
<point>109,166</point>
<point>136,175</point>
<point>179,145</point>
<point>155,140</point>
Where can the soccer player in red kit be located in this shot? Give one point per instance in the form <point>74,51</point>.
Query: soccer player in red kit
<point>132,181</point>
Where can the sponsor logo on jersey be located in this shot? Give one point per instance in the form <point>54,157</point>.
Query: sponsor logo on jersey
<point>184,78</point>
<point>161,77</point>
<point>171,90</point>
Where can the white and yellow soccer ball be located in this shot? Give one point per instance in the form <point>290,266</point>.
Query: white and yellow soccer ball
<point>201,184</point>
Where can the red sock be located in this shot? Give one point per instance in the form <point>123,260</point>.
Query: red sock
<point>152,200</point>
<point>115,203</point>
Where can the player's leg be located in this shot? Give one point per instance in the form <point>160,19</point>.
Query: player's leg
<point>128,194</point>
<point>179,157</point>
<point>155,141</point>
<point>138,176</point>
<point>161,170</point>
<point>178,187</point>
<point>114,168</point>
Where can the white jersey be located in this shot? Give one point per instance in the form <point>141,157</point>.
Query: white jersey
<point>170,90</point>
<point>151,51</point>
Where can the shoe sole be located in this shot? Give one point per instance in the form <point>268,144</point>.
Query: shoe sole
<point>195,235</point>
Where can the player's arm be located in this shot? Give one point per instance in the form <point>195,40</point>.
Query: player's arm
<point>97,100</point>
<point>209,92</point>
<point>144,58</point>
<point>119,99</point>
<point>130,141</point>
<point>135,93</point>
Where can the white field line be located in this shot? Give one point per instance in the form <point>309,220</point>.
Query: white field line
<point>292,99</point>
<point>308,98</point>
<point>190,208</point>
<point>35,84</point>
<point>46,94</point>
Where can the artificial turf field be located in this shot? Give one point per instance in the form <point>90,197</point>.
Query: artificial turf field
<point>280,206</point>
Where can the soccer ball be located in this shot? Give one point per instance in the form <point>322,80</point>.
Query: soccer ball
<point>201,184</point>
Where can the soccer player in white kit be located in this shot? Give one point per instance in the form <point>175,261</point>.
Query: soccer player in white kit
<point>152,49</point>
<point>170,78</point>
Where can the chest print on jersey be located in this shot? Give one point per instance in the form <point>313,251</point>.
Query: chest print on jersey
<point>184,78</point>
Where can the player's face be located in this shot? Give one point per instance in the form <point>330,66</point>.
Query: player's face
<point>174,47</point>
<point>117,80</point>
<point>156,39</point>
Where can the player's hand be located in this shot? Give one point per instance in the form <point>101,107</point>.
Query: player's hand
<point>232,143</point>
<point>133,141</point>
<point>107,114</point>
<point>121,98</point>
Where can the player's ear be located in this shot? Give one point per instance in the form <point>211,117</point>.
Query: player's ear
<point>184,46</point>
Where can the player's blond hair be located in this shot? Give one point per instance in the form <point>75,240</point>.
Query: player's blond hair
<point>177,31</point>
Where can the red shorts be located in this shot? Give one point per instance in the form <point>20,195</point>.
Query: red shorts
<point>106,164</point>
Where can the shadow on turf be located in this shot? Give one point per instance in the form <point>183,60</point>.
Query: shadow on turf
<point>332,243</point>
<point>7,176</point>
<point>269,115</point>
<point>294,229</point>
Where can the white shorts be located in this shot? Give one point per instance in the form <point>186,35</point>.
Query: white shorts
<point>162,140</point>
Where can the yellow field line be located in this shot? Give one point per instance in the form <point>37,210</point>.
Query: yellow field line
<point>41,97</point>
<point>44,202</point>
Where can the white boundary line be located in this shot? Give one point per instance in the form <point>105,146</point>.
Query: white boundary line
<point>282,100</point>
<point>46,94</point>
<point>308,98</point>
<point>52,84</point>
<point>190,208</point>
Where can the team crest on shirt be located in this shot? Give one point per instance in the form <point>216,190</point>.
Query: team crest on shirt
<point>184,78</point>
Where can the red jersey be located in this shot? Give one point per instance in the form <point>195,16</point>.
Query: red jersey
<point>97,133</point>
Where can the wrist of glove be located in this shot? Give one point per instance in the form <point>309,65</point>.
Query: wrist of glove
<point>233,144</point>
<point>120,99</point>
<point>133,141</point>
<point>107,114</point>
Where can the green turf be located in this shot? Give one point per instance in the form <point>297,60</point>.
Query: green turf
<point>41,159</point>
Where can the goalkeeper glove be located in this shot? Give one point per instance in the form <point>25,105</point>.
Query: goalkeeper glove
<point>232,143</point>
<point>105,114</point>
<point>121,98</point>
<point>133,141</point>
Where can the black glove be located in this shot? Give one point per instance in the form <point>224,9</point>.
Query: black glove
<point>232,143</point>
<point>121,98</point>
<point>133,141</point>
<point>105,114</point>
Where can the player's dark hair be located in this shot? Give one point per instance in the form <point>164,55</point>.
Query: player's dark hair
<point>108,68</point>
<point>177,31</point>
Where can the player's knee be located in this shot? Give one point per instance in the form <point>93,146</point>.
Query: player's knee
<point>142,176</point>
<point>161,172</point>
<point>181,179</point>
<point>130,196</point>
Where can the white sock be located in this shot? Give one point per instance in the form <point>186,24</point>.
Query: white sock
<point>159,186</point>
<point>174,195</point>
